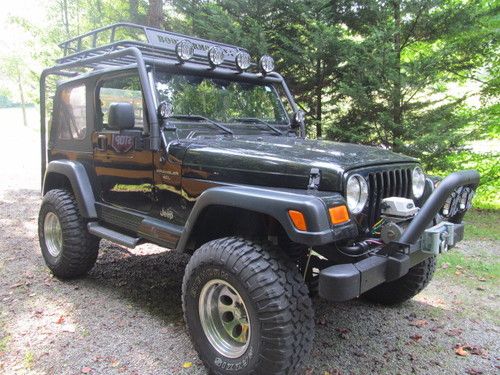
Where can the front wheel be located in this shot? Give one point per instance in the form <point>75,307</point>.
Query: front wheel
<point>247,308</point>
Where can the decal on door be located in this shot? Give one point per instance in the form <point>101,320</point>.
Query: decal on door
<point>122,143</point>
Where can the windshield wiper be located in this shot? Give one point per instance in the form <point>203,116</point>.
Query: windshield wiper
<point>201,118</point>
<point>258,121</point>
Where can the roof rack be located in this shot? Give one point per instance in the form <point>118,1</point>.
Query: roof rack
<point>153,44</point>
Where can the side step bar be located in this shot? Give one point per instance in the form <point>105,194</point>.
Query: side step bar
<point>109,234</point>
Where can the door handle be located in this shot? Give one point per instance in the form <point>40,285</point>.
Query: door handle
<point>102,142</point>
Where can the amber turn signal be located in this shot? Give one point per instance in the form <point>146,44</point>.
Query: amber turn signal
<point>339,214</point>
<point>298,220</point>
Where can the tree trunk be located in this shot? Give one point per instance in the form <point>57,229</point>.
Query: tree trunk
<point>65,17</point>
<point>78,17</point>
<point>134,10</point>
<point>21,94</point>
<point>318,93</point>
<point>397,115</point>
<point>155,13</point>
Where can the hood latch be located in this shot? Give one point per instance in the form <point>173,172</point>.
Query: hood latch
<point>314,179</point>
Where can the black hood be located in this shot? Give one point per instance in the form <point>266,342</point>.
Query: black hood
<point>279,161</point>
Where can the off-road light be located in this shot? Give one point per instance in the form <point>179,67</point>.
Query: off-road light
<point>418,182</point>
<point>356,193</point>
<point>243,60</point>
<point>459,201</point>
<point>184,50</point>
<point>266,64</point>
<point>466,198</point>
<point>215,56</point>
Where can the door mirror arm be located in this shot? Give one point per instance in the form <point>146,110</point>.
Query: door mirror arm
<point>298,122</point>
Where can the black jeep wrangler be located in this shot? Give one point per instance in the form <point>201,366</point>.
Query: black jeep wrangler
<point>186,143</point>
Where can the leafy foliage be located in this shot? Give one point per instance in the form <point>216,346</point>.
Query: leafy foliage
<point>420,77</point>
<point>488,165</point>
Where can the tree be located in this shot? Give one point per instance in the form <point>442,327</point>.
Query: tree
<point>394,88</point>
<point>155,13</point>
<point>394,73</point>
<point>17,72</point>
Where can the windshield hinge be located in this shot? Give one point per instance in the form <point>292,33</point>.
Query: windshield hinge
<point>314,179</point>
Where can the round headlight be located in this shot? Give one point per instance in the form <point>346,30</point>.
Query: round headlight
<point>266,64</point>
<point>243,60</point>
<point>418,182</point>
<point>184,50</point>
<point>357,193</point>
<point>215,56</point>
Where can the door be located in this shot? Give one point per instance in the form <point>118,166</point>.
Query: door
<point>123,162</point>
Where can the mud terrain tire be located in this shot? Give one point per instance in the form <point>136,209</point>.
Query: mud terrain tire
<point>272,292</point>
<point>67,247</point>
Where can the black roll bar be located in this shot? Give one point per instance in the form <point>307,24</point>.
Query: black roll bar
<point>152,131</point>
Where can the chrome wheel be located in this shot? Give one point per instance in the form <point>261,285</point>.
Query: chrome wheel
<point>224,318</point>
<point>52,234</point>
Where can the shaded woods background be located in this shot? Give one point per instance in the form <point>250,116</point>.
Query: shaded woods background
<point>420,77</point>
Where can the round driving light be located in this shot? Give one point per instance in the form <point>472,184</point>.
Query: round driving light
<point>215,56</point>
<point>357,193</point>
<point>243,60</point>
<point>184,50</point>
<point>266,64</point>
<point>418,182</point>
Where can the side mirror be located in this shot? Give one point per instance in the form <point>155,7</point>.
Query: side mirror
<point>164,110</point>
<point>121,116</point>
<point>299,117</point>
<point>298,121</point>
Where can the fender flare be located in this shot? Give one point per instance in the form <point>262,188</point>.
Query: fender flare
<point>77,175</point>
<point>274,203</point>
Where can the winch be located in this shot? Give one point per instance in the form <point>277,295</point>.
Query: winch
<point>396,214</point>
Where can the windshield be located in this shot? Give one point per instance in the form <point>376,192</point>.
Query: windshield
<point>221,100</point>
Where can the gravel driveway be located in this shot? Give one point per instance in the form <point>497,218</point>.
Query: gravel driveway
<point>126,316</point>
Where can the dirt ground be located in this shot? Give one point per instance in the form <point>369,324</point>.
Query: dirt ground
<point>126,316</point>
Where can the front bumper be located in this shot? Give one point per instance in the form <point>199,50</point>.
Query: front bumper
<point>343,282</point>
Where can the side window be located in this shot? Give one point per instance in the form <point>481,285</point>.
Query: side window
<point>121,90</point>
<point>72,113</point>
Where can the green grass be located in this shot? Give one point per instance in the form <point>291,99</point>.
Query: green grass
<point>482,225</point>
<point>4,343</point>
<point>479,266</point>
<point>29,360</point>
<point>4,337</point>
<point>473,267</point>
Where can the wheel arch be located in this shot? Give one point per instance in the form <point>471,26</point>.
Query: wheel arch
<point>71,175</point>
<point>218,220</point>
<point>264,206</point>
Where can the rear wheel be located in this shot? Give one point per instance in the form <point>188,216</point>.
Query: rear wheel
<point>247,308</point>
<point>67,247</point>
<point>406,287</point>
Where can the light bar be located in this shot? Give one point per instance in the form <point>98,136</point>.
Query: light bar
<point>184,50</point>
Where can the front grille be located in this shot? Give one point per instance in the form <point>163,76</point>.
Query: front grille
<point>383,184</point>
